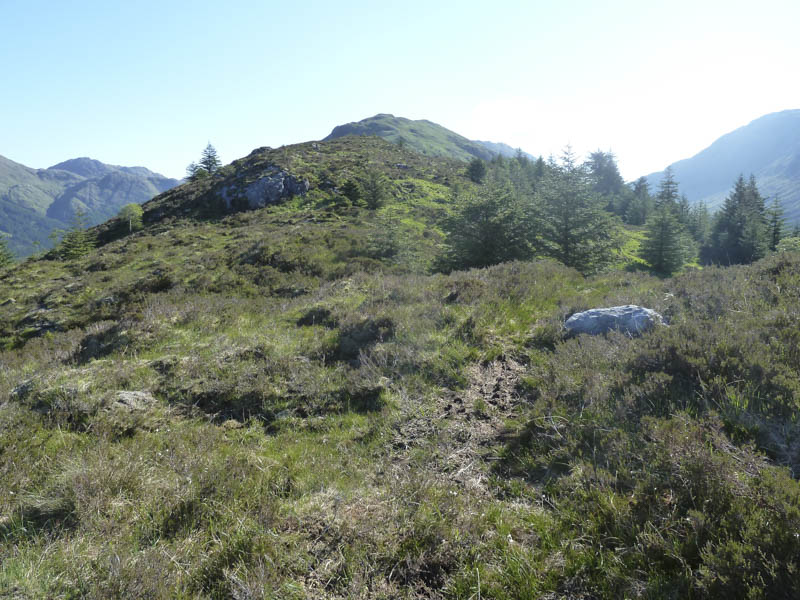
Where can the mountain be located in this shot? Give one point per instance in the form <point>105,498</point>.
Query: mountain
<point>268,392</point>
<point>424,136</point>
<point>34,202</point>
<point>768,147</point>
<point>504,149</point>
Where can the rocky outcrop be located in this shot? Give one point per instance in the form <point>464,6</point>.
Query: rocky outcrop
<point>272,187</point>
<point>629,319</point>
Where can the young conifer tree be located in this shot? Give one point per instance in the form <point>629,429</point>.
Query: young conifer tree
<point>665,245</point>
<point>6,256</point>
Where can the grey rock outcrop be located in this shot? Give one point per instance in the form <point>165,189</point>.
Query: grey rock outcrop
<point>629,319</point>
<point>270,188</point>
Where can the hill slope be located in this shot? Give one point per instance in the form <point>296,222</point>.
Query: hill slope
<point>423,136</point>
<point>33,202</point>
<point>768,147</point>
<point>283,401</point>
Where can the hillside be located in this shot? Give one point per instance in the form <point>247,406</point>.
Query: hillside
<point>423,136</point>
<point>34,202</point>
<point>268,392</point>
<point>768,147</point>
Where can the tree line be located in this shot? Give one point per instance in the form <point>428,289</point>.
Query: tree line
<point>523,208</point>
<point>574,212</point>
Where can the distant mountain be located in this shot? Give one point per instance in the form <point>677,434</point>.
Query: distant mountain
<point>504,149</point>
<point>33,202</point>
<point>425,137</point>
<point>769,148</point>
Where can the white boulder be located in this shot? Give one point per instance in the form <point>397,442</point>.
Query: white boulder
<point>630,319</point>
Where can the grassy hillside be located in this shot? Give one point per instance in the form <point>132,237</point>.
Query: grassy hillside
<point>287,403</point>
<point>423,136</point>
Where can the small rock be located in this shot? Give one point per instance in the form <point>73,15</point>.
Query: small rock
<point>629,319</point>
<point>133,401</point>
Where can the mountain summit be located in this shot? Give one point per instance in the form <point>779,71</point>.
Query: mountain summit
<point>424,136</point>
<point>768,147</point>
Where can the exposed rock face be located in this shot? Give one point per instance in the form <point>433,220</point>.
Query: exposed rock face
<point>270,188</point>
<point>630,319</point>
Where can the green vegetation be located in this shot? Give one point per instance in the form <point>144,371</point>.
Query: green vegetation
<point>292,402</point>
<point>132,215</point>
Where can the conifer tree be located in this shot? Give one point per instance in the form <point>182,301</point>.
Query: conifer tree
<point>476,170</point>
<point>353,192</point>
<point>573,226</point>
<point>6,256</point>
<point>775,224</point>
<point>209,160</point>
<point>376,189</point>
<point>641,203</point>
<point>77,240</point>
<point>740,231</point>
<point>487,227</point>
<point>208,165</point>
<point>699,222</point>
<point>665,244</point>
<point>667,190</point>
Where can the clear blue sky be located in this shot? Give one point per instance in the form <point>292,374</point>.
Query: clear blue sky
<point>150,83</point>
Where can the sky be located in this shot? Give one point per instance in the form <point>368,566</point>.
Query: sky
<point>151,83</point>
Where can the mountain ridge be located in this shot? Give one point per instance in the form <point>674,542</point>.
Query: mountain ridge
<point>34,202</point>
<point>768,147</point>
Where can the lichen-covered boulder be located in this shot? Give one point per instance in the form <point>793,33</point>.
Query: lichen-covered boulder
<point>630,319</point>
<point>274,186</point>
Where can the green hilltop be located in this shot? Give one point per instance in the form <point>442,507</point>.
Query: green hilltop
<point>423,136</point>
<point>276,389</point>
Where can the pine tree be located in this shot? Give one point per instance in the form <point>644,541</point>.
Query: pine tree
<point>195,172</point>
<point>6,256</point>
<point>353,192</point>
<point>208,165</point>
<point>209,160</point>
<point>486,228</point>
<point>574,228</point>
<point>641,204</point>
<point>665,244</point>
<point>699,222</point>
<point>607,182</point>
<point>775,224</point>
<point>476,170</point>
<point>740,230</point>
<point>77,240</point>
<point>376,189</point>
<point>667,190</point>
